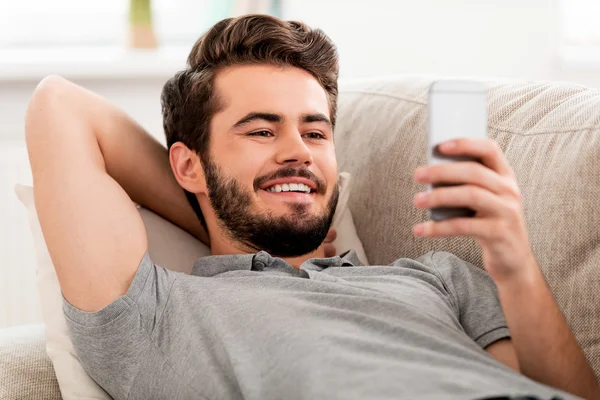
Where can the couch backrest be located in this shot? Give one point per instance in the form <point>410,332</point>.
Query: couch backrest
<point>549,132</point>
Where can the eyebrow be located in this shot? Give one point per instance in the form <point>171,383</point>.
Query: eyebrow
<point>254,116</point>
<point>318,117</point>
<point>276,118</point>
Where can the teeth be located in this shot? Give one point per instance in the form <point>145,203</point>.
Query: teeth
<point>291,187</point>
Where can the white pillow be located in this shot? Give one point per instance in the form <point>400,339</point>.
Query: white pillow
<point>170,247</point>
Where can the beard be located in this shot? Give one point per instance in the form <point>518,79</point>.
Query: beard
<point>294,234</point>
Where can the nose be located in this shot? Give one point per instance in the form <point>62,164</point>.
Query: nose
<point>293,151</point>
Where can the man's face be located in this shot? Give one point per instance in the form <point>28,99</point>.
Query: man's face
<point>272,173</point>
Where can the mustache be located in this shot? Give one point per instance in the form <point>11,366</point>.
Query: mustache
<point>289,172</point>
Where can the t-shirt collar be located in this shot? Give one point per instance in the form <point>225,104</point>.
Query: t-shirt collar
<point>215,265</point>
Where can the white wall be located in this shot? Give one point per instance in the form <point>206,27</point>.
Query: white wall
<point>505,38</point>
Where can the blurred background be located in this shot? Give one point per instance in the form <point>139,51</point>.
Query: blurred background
<point>126,49</point>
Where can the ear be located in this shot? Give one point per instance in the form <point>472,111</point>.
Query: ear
<point>187,168</point>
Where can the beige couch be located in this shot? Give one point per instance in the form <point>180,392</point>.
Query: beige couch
<point>550,133</point>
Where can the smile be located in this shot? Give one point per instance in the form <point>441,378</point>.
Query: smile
<point>289,196</point>
<point>291,187</point>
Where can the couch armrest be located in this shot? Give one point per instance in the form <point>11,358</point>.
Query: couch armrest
<point>27,371</point>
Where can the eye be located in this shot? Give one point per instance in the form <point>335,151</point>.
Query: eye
<point>315,135</point>
<point>260,133</point>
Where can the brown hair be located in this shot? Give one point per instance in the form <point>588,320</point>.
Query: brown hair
<point>189,100</point>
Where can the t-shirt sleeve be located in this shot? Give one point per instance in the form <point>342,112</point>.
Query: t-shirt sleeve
<point>475,296</point>
<point>111,342</point>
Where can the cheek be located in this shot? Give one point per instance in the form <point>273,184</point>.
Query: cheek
<point>243,165</point>
<point>329,166</point>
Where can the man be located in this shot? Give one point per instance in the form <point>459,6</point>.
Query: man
<point>249,128</point>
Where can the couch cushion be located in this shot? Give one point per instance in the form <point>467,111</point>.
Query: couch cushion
<point>27,371</point>
<point>549,132</point>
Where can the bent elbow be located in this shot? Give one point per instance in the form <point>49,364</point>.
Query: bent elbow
<point>49,93</point>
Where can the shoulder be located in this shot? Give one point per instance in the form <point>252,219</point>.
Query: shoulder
<point>423,267</point>
<point>446,261</point>
<point>445,257</point>
<point>453,270</point>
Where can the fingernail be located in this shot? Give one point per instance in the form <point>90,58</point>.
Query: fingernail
<point>421,173</point>
<point>420,196</point>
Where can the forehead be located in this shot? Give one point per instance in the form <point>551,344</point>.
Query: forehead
<point>269,88</point>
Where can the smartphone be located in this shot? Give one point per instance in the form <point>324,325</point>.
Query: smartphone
<point>457,109</point>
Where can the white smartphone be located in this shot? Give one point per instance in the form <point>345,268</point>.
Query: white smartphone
<point>457,109</point>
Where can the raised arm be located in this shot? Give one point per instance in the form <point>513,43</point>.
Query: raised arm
<point>89,161</point>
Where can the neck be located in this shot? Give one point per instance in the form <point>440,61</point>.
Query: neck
<point>222,246</point>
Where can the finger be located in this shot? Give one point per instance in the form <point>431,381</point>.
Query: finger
<point>329,249</point>
<point>487,150</point>
<point>331,235</point>
<point>483,201</point>
<point>474,227</point>
<point>468,173</point>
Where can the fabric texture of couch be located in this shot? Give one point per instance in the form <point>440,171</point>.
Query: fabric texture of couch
<point>549,132</point>
<point>27,371</point>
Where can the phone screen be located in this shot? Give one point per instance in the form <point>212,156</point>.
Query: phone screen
<point>457,109</point>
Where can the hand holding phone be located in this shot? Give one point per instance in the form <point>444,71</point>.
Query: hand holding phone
<point>457,109</point>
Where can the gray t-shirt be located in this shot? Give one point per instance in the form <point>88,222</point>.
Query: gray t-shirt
<point>253,327</point>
